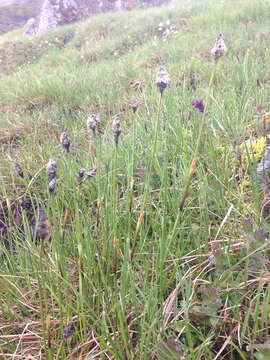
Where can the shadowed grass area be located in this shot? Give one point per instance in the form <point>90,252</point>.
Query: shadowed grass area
<point>111,268</point>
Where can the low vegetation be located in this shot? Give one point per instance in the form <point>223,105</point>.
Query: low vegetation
<point>132,223</point>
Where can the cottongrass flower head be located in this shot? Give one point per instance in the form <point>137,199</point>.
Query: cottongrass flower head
<point>93,122</point>
<point>80,176</point>
<point>51,169</point>
<point>65,140</point>
<point>163,79</point>
<point>220,48</point>
<point>116,129</point>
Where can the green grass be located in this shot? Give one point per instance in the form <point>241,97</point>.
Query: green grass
<point>138,278</point>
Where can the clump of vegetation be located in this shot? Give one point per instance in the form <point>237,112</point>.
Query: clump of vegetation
<point>129,233</point>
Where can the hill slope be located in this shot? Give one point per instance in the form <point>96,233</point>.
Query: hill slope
<point>154,247</point>
<point>14,14</point>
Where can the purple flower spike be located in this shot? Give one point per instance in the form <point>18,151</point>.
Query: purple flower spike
<point>198,104</point>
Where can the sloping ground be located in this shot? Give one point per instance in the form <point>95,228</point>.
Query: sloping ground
<point>114,264</point>
<point>16,14</point>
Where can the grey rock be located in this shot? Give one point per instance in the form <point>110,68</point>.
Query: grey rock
<point>57,12</point>
<point>263,170</point>
<point>31,27</point>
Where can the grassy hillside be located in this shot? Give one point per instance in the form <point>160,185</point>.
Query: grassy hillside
<point>161,251</point>
<point>16,15</point>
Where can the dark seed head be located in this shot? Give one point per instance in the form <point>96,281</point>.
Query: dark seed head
<point>163,79</point>
<point>93,122</point>
<point>116,129</point>
<point>18,170</point>
<point>91,173</point>
<point>80,176</point>
<point>135,104</point>
<point>52,185</point>
<point>65,140</point>
<point>51,169</point>
<point>68,331</point>
<point>219,48</point>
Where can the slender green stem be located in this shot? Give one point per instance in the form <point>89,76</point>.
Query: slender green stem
<point>153,156</point>
<point>200,141</point>
<point>132,162</point>
<point>114,194</point>
<point>147,190</point>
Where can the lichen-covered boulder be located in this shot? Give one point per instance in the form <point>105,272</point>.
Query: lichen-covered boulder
<point>57,12</point>
<point>31,27</point>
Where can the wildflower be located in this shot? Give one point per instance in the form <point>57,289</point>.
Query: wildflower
<point>163,79</point>
<point>135,104</point>
<point>51,169</point>
<point>52,185</point>
<point>220,48</point>
<point>18,170</point>
<point>198,104</point>
<point>80,176</point>
<point>260,107</point>
<point>65,141</point>
<point>92,123</point>
<point>116,129</point>
<point>91,173</point>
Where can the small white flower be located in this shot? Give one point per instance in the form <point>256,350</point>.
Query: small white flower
<point>164,40</point>
<point>115,53</point>
<point>168,22</point>
<point>160,24</point>
<point>155,37</point>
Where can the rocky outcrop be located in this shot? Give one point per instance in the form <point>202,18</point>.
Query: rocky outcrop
<point>263,171</point>
<point>58,12</point>
<point>31,27</point>
<point>53,13</point>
